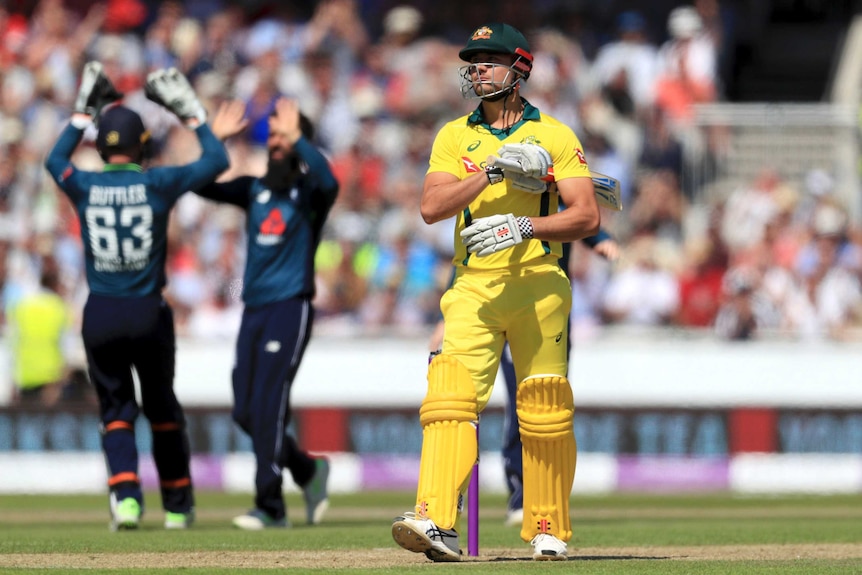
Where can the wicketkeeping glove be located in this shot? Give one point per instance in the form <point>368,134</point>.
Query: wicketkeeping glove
<point>169,88</point>
<point>486,236</point>
<point>532,160</point>
<point>96,91</point>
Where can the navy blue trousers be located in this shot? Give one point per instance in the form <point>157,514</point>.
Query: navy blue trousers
<point>271,342</point>
<point>125,334</point>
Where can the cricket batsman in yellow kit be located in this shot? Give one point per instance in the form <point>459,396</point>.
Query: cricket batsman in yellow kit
<point>504,170</point>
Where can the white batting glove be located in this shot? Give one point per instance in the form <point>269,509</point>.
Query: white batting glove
<point>170,89</point>
<point>511,169</point>
<point>526,183</point>
<point>486,236</point>
<point>532,160</point>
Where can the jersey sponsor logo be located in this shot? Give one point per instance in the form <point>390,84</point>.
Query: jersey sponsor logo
<point>263,197</point>
<point>474,145</point>
<point>470,165</point>
<point>558,337</point>
<point>271,228</point>
<point>581,158</point>
<point>66,173</point>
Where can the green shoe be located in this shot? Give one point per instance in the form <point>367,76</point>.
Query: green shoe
<point>126,514</point>
<point>179,520</point>
<point>315,493</point>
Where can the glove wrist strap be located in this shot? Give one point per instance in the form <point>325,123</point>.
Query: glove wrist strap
<point>494,173</point>
<point>525,226</point>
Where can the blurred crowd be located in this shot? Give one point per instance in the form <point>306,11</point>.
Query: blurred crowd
<point>766,259</point>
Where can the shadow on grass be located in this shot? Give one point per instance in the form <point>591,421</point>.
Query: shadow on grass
<point>586,558</point>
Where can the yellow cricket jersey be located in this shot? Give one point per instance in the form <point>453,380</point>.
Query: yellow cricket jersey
<point>462,147</point>
<point>38,324</point>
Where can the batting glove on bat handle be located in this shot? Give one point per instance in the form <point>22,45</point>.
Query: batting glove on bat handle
<point>533,160</point>
<point>511,170</point>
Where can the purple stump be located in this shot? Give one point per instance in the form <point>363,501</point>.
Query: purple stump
<point>473,507</point>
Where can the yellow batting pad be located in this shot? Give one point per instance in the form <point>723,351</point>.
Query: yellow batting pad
<point>449,447</point>
<point>545,414</point>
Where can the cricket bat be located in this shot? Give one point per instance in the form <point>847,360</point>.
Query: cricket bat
<point>607,189</point>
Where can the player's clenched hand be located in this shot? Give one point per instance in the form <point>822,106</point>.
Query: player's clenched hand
<point>486,236</point>
<point>532,160</point>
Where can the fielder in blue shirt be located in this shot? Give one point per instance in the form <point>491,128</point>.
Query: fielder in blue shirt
<point>285,212</point>
<point>127,325</point>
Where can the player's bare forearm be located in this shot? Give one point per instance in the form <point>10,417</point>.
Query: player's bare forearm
<point>580,219</point>
<point>572,224</point>
<point>444,195</point>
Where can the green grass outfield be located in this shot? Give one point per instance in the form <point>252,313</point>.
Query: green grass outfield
<point>631,534</point>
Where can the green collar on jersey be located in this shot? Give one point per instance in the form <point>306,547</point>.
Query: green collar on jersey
<point>122,167</point>
<point>530,113</point>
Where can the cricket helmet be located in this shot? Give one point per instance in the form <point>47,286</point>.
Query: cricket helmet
<point>496,38</point>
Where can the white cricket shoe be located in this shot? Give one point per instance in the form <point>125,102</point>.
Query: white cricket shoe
<point>546,547</point>
<point>421,535</point>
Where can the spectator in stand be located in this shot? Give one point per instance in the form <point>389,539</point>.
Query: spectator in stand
<point>13,36</point>
<point>748,209</point>
<point>39,327</point>
<point>701,283</point>
<point>57,43</point>
<point>745,311</point>
<point>159,37</point>
<point>658,207</point>
<point>626,68</point>
<point>660,150</point>
<point>644,291</point>
<point>686,67</point>
<point>563,76</point>
<point>830,282</point>
<point>419,65</point>
<point>219,52</point>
